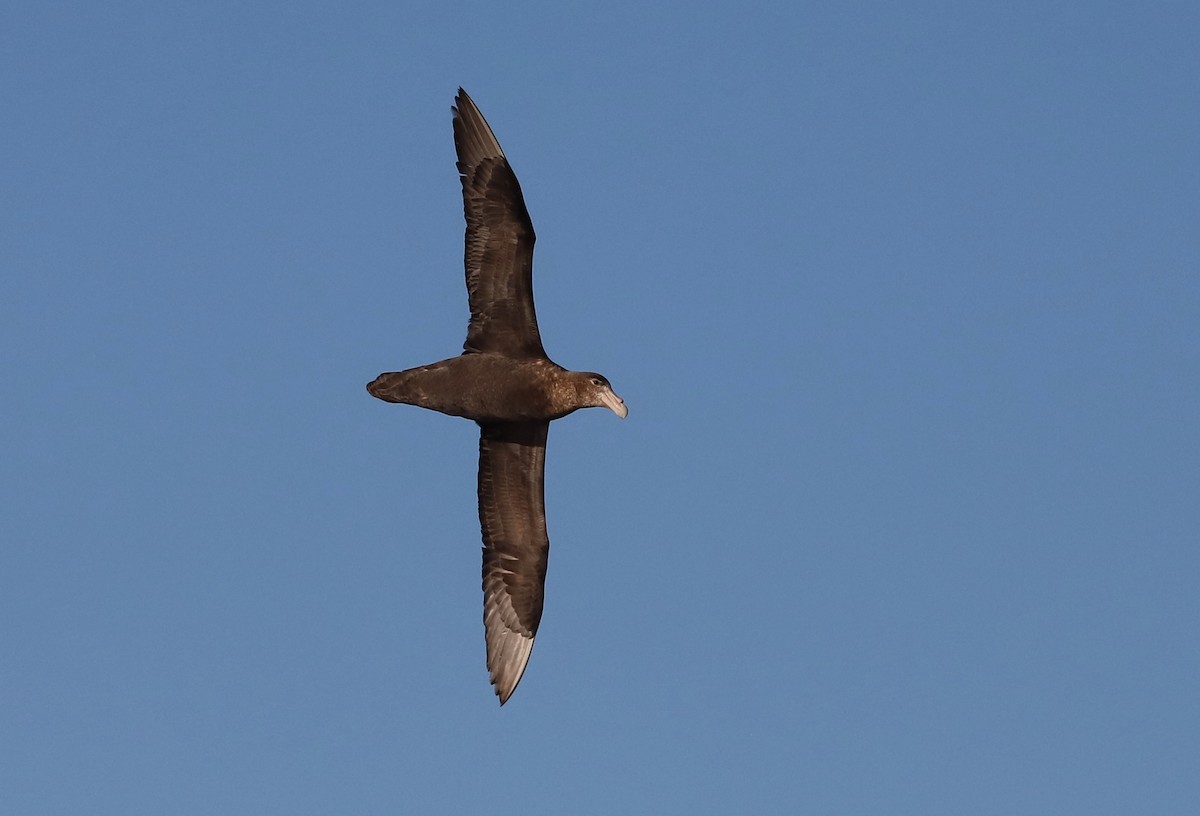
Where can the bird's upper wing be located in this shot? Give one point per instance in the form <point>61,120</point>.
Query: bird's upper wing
<point>499,245</point>
<point>512,513</point>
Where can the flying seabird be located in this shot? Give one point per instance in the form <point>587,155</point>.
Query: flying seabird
<point>505,382</point>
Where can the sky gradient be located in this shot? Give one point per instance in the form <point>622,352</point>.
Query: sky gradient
<point>905,305</point>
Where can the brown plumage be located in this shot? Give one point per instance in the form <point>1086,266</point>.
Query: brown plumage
<point>505,382</point>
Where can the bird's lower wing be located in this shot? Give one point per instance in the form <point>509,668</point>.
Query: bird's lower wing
<point>512,515</point>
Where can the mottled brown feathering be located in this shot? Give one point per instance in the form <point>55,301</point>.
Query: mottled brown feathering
<point>505,382</point>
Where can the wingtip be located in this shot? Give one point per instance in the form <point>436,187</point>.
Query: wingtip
<point>456,108</point>
<point>506,668</point>
<point>504,686</point>
<point>474,140</point>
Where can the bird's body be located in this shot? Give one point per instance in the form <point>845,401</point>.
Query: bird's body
<point>505,382</point>
<point>488,387</point>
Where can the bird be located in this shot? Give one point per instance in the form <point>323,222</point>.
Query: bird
<point>505,382</point>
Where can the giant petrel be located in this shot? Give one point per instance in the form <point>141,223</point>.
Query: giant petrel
<point>505,382</point>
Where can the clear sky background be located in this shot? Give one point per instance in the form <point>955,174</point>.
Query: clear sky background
<point>905,303</point>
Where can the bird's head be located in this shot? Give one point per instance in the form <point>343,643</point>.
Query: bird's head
<point>596,392</point>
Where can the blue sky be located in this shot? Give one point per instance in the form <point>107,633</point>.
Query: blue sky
<point>903,299</point>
